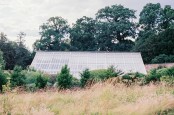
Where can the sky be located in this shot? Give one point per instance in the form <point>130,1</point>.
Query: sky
<point>28,15</point>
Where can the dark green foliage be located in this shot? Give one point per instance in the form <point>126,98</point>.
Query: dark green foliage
<point>156,37</point>
<point>14,53</point>
<point>113,27</point>
<point>17,78</point>
<point>85,76</point>
<point>64,79</point>
<point>82,34</point>
<point>150,16</point>
<point>153,76</point>
<point>2,62</point>
<point>3,79</point>
<point>52,34</point>
<point>41,81</point>
<point>162,58</point>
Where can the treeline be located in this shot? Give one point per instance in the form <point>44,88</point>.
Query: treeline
<point>15,52</point>
<point>114,28</point>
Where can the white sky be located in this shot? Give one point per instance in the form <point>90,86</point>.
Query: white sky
<point>28,15</point>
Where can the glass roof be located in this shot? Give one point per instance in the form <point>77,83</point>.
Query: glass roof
<point>52,62</point>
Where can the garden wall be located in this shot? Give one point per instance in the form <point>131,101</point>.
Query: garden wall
<point>152,66</point>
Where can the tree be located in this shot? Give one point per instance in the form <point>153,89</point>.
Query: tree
<point>41,81</point>
<point>150,16</point>
<point>23,56</point>
<point>82,34</point>
<point>53,35</point>
<point>115,25</point>
<point>168,17</point>
<point>21,40</point>
<point>64,79</point>
<point>163,58</point>
<point>8,49</point>
<point>85,76</point>
<point>156,34</point>
<point>3,37</point>
<point>15,53</point>
<point>17,77</point>
<point>2,62</point>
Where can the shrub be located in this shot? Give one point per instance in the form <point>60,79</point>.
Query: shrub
<point>156,74</point>
<point>153,76</point>
<point>85,76</point>
<point>168,80</point>
<point>130,78</point>
<point>99,74</point>
<point>64,79</point>
<point>41,81</point>
<point>35,79</point>
<point>103,74</point>
<point>163,58</point>
<point>17,77</point>
<point>3,79</point>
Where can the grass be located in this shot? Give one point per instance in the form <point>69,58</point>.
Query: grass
<point>101,99</point>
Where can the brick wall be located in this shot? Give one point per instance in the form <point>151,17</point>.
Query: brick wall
<point>152,66</point>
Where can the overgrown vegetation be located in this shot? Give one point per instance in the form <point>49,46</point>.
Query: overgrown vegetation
<point>101,99</point>
<point>31,80</point>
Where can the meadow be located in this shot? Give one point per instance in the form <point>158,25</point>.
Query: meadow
<point>100,99</point>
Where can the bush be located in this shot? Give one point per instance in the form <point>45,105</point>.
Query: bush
<point>17,78</point>
<point>35,79</point>
<point>85,76</point>
<point>41,81</point>
<point>156,74</point>
<point>130,78</point>
<point>103,74</point>
<point>163,58</point>
<point>64,79</point>
<point>3,79</point>
<point>153,76</point>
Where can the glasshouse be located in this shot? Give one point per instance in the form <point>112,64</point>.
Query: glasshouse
<point>52,62</point>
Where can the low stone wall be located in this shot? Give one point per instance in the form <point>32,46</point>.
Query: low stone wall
<point>152,66</point>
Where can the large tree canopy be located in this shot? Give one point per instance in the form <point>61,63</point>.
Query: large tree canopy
<point>14,53</point>
<point>150,16</point>
<point>115,27</point>
<point>156,34</point>
<point>82,34</point>
<point>53,34</point>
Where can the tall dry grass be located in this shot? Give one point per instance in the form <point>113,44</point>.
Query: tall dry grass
<point>101,99</point>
